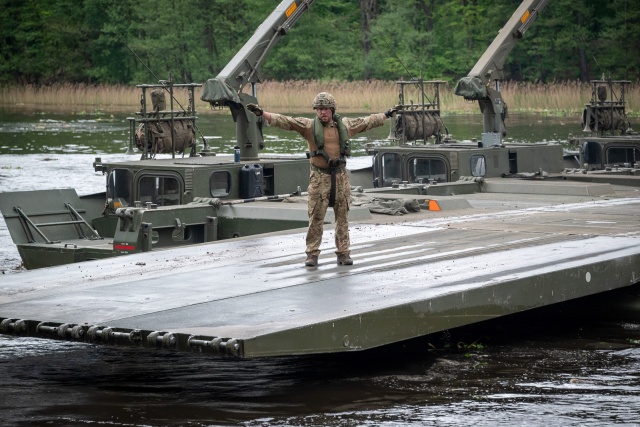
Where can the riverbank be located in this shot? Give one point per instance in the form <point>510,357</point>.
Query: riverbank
<point>557,99</point>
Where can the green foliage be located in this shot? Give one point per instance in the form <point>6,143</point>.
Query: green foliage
<point>323,45</point>
<point>111,61</point>
<point>619,48</point>
<point>42,41</point>
<point>91,41</point>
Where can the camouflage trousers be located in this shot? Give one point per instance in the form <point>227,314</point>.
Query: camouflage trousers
<point>319,191</point>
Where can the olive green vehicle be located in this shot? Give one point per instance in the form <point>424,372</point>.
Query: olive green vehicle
<point>150,205</point>
<point>612,146</point>
<point>187,199</point>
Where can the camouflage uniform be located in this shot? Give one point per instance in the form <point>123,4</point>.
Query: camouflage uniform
<point>320,179</point>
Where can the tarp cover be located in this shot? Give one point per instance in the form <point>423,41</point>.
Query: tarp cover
<point>418,124</point>
<point>184,136</point>
<point>387,207</point>
<point>217,92</point>
<point>375,205</point>
<point>471,88</point>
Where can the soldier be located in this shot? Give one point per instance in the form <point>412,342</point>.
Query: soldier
<point>328,138</point>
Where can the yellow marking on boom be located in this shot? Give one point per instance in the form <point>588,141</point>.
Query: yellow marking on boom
<point>291,9</point>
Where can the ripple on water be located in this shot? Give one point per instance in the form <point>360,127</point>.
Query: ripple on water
<point>12,348</point>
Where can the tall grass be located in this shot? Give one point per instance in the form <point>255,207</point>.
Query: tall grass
<point>71,97</point>
<point>296,97</point>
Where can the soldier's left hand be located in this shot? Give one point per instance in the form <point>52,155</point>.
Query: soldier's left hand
<point>393,110</point>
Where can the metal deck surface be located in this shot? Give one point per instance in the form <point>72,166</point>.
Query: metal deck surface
<point>412,275</point>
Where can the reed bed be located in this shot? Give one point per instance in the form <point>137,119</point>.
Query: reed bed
<point>71,97</point>
<point>559,98</point>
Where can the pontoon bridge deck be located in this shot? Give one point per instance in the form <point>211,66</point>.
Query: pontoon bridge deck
<point>516,246</point>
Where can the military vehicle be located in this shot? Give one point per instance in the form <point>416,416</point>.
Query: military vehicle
<point>415,161</point>
<point>165,202</point>
<point>612,147</point>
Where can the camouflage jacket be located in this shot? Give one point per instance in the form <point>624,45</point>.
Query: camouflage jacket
<point>304,127</point>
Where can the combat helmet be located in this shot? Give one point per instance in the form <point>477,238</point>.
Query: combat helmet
<point>324,100</point>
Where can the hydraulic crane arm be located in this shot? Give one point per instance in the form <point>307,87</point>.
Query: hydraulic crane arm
<point>227,88</point>
<point>476,86</point>
<point>245,66</point>
<point>491,65</point>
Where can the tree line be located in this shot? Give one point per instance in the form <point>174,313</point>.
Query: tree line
<point>141,41</point>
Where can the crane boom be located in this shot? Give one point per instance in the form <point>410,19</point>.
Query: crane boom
<point>244,68</point>
<point>476,85</point>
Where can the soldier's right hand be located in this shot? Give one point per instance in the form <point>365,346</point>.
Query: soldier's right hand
<point>255,109</point>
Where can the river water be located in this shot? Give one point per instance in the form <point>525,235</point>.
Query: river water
<point>571,364</point>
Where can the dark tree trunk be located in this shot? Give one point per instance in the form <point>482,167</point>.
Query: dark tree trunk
<point>368,12</point>
<point>427,7</point>
<point>584,71</point>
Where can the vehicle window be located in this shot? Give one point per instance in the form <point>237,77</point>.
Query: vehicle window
<point>220,184</point>
<point>391,169</point>
<point>159,190</point>
<point>423,169</point>
<point>621,155</point>
<point>478,165</point>
<point>592,152</point>
<point>119,187</point>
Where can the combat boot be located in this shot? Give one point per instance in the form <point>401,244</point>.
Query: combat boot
<point>344,259</point>
<point>312,261</point>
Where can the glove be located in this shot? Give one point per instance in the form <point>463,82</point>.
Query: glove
<point>393,110</point>
<point>255,109</point>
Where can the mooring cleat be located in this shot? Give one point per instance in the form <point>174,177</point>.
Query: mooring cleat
<point>344,259</point>
<point>312,261</point>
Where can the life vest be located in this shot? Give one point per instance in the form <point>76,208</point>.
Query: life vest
<point>318,136</point>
